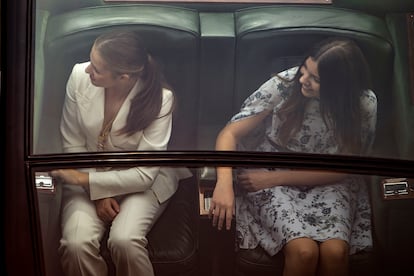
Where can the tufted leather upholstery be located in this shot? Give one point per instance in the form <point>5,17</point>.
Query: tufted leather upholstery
<point>173,240</point>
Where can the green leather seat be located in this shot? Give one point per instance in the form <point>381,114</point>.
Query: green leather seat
<point>172,36</point>
<point>271,39</point>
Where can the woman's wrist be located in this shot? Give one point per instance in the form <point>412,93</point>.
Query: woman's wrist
<point>277,178</point>
<point>224,175</point>
<point>83,179</point>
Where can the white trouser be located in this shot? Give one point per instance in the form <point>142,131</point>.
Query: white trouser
<point>82,232</point>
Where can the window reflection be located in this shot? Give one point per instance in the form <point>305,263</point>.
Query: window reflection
<point>112,206</point>
<point>213,62</point>
<point>256,204</point>
<point>207,99</point>
<point>254,209</point>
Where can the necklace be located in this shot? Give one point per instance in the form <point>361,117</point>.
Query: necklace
<point>103,135</point>
<point>106,128</point>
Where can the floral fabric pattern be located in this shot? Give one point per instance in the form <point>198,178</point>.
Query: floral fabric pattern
<point>272,217</point>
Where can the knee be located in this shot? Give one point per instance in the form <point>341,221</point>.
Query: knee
<point>306,255</point>
<point>303,253</point>
<point>123,243</point>
<point>335,251</point>
<point>78,246</point>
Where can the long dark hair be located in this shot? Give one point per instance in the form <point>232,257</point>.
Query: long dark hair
<point>125,53</point>
<point>344,75</point>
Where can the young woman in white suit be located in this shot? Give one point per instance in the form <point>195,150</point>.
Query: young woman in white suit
<point>117,101</point>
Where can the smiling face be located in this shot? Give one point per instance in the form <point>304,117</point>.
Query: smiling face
<point>98,71</point>
<point>309,79</point>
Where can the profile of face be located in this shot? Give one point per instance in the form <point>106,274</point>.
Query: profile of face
<point>309,79</point>
<point>98,71</point>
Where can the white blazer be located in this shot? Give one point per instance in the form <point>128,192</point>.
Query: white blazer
<point>81,123</point>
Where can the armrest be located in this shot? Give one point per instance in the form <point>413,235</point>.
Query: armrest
<point>207,177</point>
<point>206,183</point>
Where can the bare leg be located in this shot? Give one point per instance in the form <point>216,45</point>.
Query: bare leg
<point>301,257</point>
<point>333,258</point>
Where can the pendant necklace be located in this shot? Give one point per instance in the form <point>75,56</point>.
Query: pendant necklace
<point>106,129</point>
<point>103,135</point>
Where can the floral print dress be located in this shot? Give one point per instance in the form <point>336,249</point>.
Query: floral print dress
<point>274,216</point>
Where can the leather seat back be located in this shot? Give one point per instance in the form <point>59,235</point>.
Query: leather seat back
<point>172,37</point>
<point>271,39</point>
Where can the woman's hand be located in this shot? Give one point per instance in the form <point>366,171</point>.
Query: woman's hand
<point>255,180</point>
<point>222,205</point>
<point>71,176</point>
<point>107,209</point>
